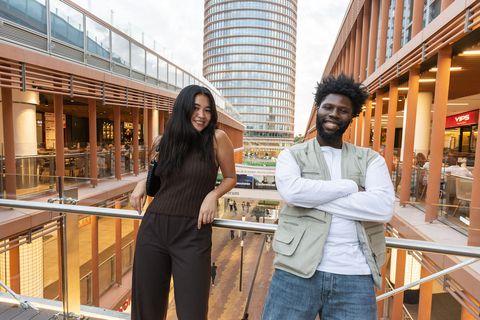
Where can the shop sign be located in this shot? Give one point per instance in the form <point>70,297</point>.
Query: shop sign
<point>462,119</point>
<point>128,125</point>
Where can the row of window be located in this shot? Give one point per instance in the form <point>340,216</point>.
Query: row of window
<point>233,32</point>
<point>250,58</point>
<point>251,76</point>
<point>275,110</point>
<point>250,5</point>
<point>292,4</point>
<point>268,126</point>
<point>251,49</point>
<point>252,40</point>
<point>235,23</point>
<point>258,93</point>
<point>265,101</point>
<point>249,14</point>
<point>261,134</point>
<point>266,118</point>
<point>253,84</point>
<point>275,68</point>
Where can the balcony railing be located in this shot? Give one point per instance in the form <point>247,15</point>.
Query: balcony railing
<point>257,255</point>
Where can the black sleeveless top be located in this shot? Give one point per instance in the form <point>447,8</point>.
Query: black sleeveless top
<point>182,192</point>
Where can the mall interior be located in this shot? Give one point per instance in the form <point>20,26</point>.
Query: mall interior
<point>81,103</point>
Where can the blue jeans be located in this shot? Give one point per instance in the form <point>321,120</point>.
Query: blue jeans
<point>331,296</point>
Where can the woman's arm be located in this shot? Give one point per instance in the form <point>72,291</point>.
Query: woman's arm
<point>224,157</point>
<point>138,196</point>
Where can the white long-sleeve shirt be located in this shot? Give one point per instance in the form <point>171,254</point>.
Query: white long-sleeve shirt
<point>341,198</point>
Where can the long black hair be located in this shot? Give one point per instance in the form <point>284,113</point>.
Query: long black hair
<point>180,137</point>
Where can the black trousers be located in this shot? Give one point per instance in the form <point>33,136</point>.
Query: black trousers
<point>166,246</point>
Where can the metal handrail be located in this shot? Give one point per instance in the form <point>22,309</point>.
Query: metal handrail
<point>24,303</point>
<point>406,244</point>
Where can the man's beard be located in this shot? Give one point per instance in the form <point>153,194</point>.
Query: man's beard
<point>331,136</point>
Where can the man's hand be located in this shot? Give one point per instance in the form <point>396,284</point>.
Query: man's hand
<point>138,196</point>
<point>207,209</point>
<point>360,188</point>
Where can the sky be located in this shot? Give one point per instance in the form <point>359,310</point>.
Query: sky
<point>177,28</point>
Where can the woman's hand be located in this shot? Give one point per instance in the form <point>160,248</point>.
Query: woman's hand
<point>208,209</point>
<point>138,196</point>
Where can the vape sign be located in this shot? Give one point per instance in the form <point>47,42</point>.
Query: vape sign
<point>462,119</point>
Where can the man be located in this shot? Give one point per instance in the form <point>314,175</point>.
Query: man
<point>330,241</point>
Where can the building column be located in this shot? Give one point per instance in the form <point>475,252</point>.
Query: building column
<point>352,53</point>
<point>358,49</point>
<point>417,19</point>
<point>358,138</point>
<point>149,130</point>
<point>92,140</point>
<point>391,123</point>
<point>347,67</point>
<point>474,227</point>
<point>410,114</point>
<point>442,83</point>
<point>397,27</point>
<point>364,45</point>
<point>59,265</point>
<point>118,246</point>
<point>372,39</point>
<point>383,32</point>
<point>377,128</point>
<point>9,144</point>
<point>95,262</point>
<point>425,301</point>
<point>161,124</point>
<point>397,307</point>
<point>117,142</point>
<point>59,136</point>
<point>135,134</point>
<point>422,126</point>
<point>14,253</point>
<point>155,123</point>
<point>353,131</point>
<point>367,124</point>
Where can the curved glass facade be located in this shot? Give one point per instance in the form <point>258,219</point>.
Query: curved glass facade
<point>249,55</point>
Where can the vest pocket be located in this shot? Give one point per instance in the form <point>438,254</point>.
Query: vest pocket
<point>287,237</point>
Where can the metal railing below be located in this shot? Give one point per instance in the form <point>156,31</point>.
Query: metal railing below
<point>392,242</point>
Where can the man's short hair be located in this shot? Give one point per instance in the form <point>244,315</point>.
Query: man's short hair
<point>345,86</point>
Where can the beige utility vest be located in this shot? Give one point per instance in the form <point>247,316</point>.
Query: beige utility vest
<point>302,232</point>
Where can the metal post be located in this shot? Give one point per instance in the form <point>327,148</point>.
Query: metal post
<point>241,263</point>
<point>63,250</point>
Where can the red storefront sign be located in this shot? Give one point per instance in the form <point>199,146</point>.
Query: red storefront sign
<point>462,119</point>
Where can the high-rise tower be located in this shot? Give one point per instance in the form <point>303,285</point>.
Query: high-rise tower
<point>249,55</point>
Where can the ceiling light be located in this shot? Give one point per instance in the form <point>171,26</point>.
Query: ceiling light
<point>470,53</point>
<point>435,69</point>
<point>457,104</point>
<point>385,98</point>
<point>427,80</point>
<point>402,88</point>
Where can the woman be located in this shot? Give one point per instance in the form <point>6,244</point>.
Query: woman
<point>175,235</point>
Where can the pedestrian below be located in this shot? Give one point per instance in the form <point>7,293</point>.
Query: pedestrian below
<point>230,205</point>
<point>175,236</point>
<point>248,206</point>
<point>330,242</point>
<point>232,234</point>
<point>235,207</point>
<point>243,206</point>
<point>213,273</point>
